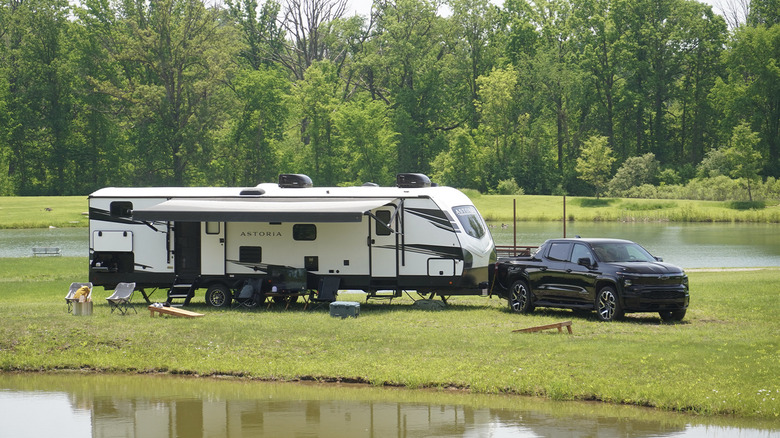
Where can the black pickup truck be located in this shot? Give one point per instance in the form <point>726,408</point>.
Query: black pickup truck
<point>610,276</point>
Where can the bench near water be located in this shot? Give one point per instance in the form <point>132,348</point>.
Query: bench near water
<point>46,251</point>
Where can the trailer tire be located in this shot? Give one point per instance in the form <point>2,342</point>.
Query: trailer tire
<point>218,295</point>
<point>520,298</point>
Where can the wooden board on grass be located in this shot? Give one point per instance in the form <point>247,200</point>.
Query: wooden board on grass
<point>173,311</point>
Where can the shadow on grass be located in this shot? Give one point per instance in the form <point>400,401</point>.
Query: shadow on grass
<point>386,306</point>
<point>584,315</point>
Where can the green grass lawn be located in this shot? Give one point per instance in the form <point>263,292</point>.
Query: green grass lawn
<point>723,359</point>
<point>43,211</point>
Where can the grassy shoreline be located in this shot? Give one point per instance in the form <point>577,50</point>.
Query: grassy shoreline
<point>70,211</point>
<point>722,360</point>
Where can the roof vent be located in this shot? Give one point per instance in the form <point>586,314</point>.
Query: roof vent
<point>252,192</point>
<point>294,181</point>
<point>412,180</point>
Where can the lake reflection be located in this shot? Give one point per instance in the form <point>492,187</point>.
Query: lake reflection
<point>74,405</point>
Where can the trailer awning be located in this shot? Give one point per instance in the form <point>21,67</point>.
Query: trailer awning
<point>260,210</point>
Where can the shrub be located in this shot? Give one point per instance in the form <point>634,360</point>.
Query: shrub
<point>594,202</point>
<point>746,205</point>
<point>646,206</point>
<point>509,187</point>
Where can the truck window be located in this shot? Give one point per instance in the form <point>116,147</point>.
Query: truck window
<point>559,251</point>
<point>470,220</point>
<point>304,232</point>
<point>579,252</point>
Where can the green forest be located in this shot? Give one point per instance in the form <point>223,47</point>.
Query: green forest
<point>638,98</point>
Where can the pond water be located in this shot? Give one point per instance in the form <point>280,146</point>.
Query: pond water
<point>73,242</point>
<point>77,405</point>
<point>690,245</point>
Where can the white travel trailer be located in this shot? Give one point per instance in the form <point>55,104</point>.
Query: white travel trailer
<point>292,236</point>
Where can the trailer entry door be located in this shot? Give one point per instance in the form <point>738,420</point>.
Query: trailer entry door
<point>186,244</point>
<point>384,253</point>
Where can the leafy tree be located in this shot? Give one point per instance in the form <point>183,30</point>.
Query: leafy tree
<point>367,143</point>
<point>247,154</point>
<point>316,97</point>
<point>457,166</point>
<point>173,56</point>
<point>410,68</point>
<point>764,13</point>
<point>476,21</point>
<point>634,172</point>
<point>746,161</point>
<point>594,166</point>
<point>752,90</point>
<point>263,37</point>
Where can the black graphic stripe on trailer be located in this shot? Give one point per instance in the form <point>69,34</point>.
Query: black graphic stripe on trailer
<point>435,217</point>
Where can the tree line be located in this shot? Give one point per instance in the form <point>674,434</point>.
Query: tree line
<point>522,97</point>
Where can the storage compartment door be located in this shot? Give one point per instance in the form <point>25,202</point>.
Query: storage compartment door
<point>441,267</point>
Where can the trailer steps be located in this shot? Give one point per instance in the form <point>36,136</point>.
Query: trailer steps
<point>180,291</point>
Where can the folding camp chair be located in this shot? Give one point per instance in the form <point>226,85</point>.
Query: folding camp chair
<point>73,296</point>
<point>249,295</point>
<point>326,294</point>
<point>120,299</point>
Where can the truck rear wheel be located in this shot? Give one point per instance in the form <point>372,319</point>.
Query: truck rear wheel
<point>520,299</point>
<point>218,295</point>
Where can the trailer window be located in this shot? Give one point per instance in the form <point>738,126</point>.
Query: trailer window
<point>212,227</point>
<point>472,222</point>
<point>384,218</point>
<point>121,208</point>
<point>250,254</point>
<point>304,232</point>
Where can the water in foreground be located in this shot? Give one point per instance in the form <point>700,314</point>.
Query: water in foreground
<point>75,405</point>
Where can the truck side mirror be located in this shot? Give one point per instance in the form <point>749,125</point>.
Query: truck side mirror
<point>585,261</point>
<point>658,259</point>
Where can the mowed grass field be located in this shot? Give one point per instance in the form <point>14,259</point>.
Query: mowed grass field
<point>723,359</point>
<point>70,211</point>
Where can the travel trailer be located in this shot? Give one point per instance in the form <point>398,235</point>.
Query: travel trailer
<point>289,237</point>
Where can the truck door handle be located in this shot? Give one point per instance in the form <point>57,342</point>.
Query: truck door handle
<point>568,271</point>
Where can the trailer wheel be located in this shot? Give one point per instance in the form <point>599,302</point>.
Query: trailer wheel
<point>218,295</point>
<point>520,300</point>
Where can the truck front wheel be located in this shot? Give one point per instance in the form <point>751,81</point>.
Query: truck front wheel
<point>608,305</point>
<point>520,300</point>
<point>218,295</point>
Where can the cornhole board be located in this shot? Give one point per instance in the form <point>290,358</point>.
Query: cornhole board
<point>173,311</point>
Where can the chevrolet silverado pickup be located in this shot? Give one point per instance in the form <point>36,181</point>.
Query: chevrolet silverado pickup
<point>611,276</point>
